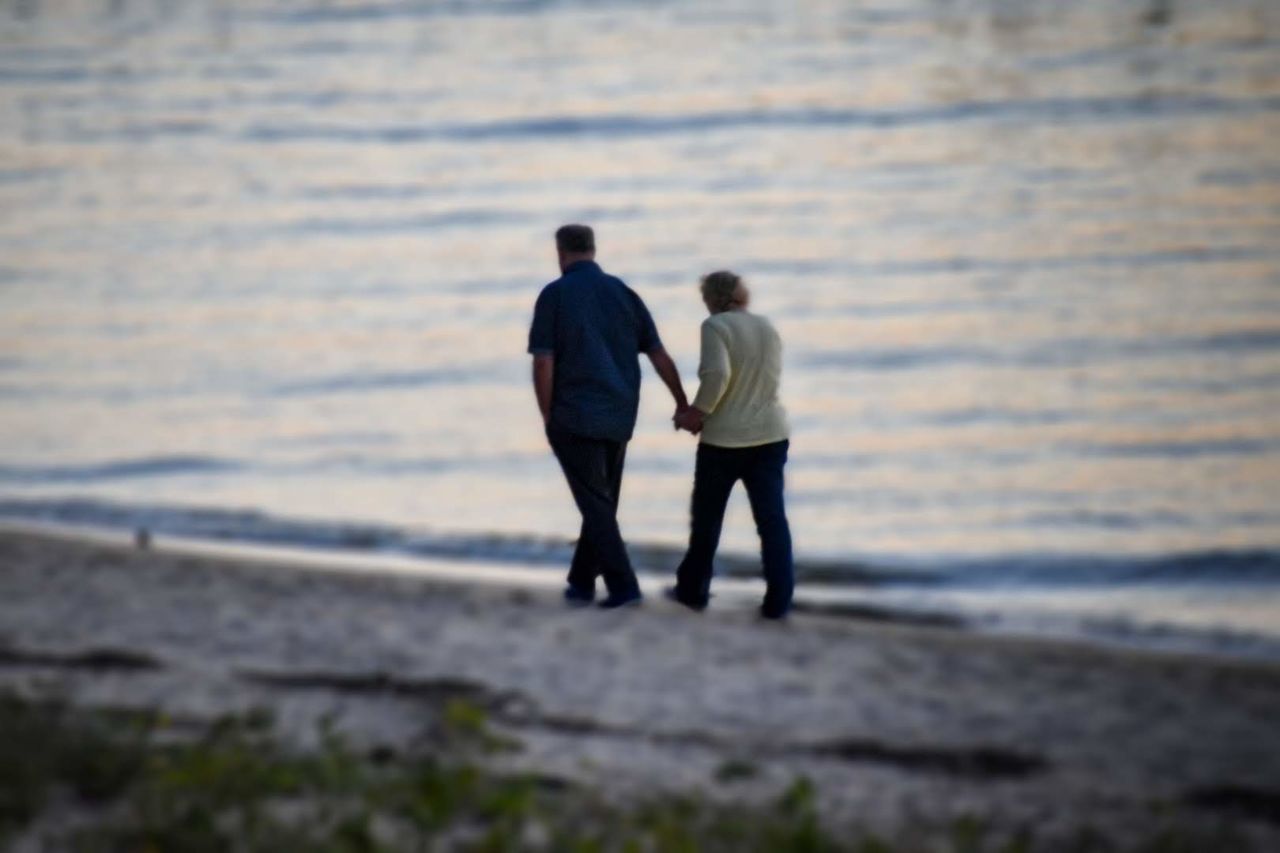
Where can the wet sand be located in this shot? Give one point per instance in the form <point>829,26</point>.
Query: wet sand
<point>899,727</point>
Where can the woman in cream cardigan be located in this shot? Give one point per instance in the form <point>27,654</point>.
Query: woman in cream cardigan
<point>744,436</point>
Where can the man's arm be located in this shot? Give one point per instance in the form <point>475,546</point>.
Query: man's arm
<point>670,376</point>
<point>542,346</point>
<point>544,372</point>
<point>651,345</point>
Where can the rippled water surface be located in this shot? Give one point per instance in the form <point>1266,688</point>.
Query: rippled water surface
<point>1025,257</point>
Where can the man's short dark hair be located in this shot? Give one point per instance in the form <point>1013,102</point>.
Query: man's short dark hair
<point>575,239</point>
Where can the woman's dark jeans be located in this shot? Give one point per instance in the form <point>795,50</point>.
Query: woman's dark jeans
<point>760,470</point>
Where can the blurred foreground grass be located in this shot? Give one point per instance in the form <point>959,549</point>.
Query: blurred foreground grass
<point>105,780</point>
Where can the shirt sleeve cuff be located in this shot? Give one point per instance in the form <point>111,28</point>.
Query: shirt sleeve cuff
<point>704,404</point>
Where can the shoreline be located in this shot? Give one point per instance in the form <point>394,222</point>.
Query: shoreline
<point>734,591</point>
<point>892,724</point>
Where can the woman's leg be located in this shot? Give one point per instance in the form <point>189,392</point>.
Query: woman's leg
<point>763,478</point>
<point>713,478</point>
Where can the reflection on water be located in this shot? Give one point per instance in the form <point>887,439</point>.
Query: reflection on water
<point>1025,257</point>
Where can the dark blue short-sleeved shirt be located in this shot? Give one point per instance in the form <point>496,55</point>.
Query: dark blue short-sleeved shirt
<point>595,326</point>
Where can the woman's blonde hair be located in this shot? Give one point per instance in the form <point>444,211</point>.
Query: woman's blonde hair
<point>720,289</point>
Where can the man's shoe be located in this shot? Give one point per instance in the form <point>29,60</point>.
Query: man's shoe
<point>577,597</point>
<point>672,593</point>
<point>627,599</point>
<point>773,615</point>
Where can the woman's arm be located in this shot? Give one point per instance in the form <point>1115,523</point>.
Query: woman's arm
<point>714,370</point>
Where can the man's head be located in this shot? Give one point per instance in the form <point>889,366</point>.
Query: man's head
<point>575,243</point>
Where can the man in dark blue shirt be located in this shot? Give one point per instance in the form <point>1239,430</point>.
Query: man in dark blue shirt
<point>588,330</point>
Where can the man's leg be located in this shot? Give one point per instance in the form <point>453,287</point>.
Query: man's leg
<point>713,479</point>
<point>585,567</point>
<point>614,464</point>
<point>587,464</point>
<point>764,481</point>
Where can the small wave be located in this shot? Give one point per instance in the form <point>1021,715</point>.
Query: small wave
<point>330,47</point>
<point>330,439</point>
<point>385,11</point>
<point>1140,631</point>
<point>70,74</point>
<point>1063,352</point>
<point>361,226</point>
<point>252,526</point>
<point>1177,449</point>
<point>154,466</point>
<point>1242,341</point>
<point>148,131</point>
<point>384,381</point>
<point>243,72</point>
<point>1105,520</point>
<point>27,76</point>
<point>1212,384</point>
<point>969,264</point>
<point>1093,57</point>
<point>976,415</point>
<point>400,466</point>
<point>365,192</point>
<point>31,175</point>
<point>1050,110</point>
<point>1242,566</point>
<point>902,358</point>
<point>1241,177</point>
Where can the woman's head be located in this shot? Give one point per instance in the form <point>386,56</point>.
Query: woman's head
<point>723,290</point>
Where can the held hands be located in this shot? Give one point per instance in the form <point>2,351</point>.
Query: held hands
<point>688,418</point>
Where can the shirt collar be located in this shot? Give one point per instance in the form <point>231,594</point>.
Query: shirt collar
<point>581,265</point>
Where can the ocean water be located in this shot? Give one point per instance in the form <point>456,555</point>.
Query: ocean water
<point>280,257</point>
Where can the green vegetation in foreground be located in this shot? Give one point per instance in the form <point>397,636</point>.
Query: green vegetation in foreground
<point>138,783</point>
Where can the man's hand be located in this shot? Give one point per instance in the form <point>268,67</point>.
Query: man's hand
<point>689,419</point>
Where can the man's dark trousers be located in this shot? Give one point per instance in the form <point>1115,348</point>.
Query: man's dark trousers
<point>593,468</point>
<point>716,471</point>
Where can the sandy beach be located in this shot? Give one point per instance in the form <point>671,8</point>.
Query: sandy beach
<point>899,728</point>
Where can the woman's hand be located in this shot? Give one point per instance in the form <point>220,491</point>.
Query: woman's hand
<point>689,419</point>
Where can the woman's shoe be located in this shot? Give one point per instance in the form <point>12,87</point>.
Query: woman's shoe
<point>773,615</point>
<point>672,593</point>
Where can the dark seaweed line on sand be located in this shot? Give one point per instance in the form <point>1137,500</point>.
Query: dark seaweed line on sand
<point>1238,800</point>
<point>97,659</point>
<point>517,710</point>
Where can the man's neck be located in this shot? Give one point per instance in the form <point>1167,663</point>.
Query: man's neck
<point>569,260</point>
